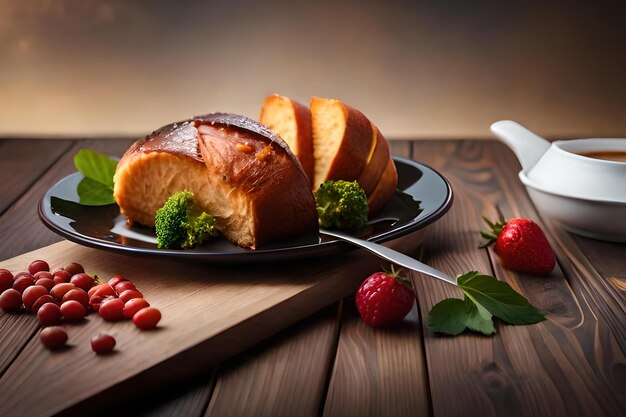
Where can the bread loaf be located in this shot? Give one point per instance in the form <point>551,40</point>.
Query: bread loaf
<point>238,170</point>
<point>157,166</point>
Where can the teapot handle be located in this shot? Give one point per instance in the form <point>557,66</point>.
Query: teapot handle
<point>528,146</point>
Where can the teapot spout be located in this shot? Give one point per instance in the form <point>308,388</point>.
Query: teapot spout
<point>528,147</point>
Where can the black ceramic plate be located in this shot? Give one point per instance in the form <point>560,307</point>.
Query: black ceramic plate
<point>423,196</point>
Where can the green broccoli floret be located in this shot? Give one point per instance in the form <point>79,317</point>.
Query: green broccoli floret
<point>178,225</point>
<point>341,205</point>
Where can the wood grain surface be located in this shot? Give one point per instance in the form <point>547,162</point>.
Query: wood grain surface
<point>23,162</point>
<point>387,365</point>
<point>573,363</point>
<point>274,379</point>
<point>329,363</point>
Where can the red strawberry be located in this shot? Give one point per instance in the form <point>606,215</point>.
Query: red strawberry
<point>384,298</point>
<point>521,246</point>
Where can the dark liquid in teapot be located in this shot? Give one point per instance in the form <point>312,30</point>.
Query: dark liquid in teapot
<point>618,156</point>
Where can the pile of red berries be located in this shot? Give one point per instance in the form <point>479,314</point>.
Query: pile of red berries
<point>68,295</point>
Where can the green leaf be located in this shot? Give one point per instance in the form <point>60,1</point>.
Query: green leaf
<point>485,297</point>
<point>448,316</point>
<point>96,189</point>
<point>489,222</point>
<point>94,193</point>
<point>478,318</point>
<point>498,298</point>
<point>452,316</point>
<point>95,165</point>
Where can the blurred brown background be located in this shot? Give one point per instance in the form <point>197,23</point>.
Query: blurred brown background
<point>418,69</point>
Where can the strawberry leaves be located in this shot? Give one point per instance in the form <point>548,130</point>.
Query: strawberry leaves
<point>485,297</point>
<point>492,235</point>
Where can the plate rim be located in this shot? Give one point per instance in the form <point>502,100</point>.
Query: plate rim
<point>262,255</point>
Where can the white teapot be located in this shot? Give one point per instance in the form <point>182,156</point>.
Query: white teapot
<point>581,183</point>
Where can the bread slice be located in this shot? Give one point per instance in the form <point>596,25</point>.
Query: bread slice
<point>384,189</point>
<point>377,161</point>
<point>238,170</point>
<point>342,141</point>
<point>292,122</point>
<point>344,145</point>
<point>348,146</point>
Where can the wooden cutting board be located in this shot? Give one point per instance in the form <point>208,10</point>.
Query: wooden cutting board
<point>210,312</point>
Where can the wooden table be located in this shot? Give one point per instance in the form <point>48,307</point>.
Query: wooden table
<point>332,364</point>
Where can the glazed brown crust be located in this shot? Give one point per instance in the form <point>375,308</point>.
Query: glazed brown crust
<point>266,172</point>
<point>178,138</point>
<point>243,123</point>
